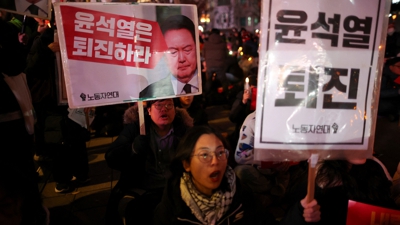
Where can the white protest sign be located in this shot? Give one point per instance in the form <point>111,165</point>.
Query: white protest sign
<point>317,89</point>
<point>120,52</point>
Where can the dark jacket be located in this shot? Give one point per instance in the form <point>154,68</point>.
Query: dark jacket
<point>365,183</point>
<point>173,210</point>
<point>145,166</point>
<point>215,51</point>
<point>40,69</point>
<point>12,63</point>
<point>244,209</point>
<point>392,45</point>
<point>195,110</point>
<point>237,115</point>
<point>389,88</point>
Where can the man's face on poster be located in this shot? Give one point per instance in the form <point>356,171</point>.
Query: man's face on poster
<point>181,55</point>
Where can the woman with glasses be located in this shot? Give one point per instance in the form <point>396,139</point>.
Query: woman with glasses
<point>203,189</point>
<point>144,160</point>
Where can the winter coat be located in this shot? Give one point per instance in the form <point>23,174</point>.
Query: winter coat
<point>215,52</point>
<point>389,88</point>
<point>366,183</point>
<point>143,168</point>
<point>243,210</point>
<point>12,63</point>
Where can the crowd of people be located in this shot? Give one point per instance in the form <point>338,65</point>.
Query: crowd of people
<point>205,178</point>
<point>29,56</point>
<point>179,170</point>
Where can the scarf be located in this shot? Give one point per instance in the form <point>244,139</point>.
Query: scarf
<point>208,210</point>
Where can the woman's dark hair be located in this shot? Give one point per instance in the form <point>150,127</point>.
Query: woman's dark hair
<point>186,147</point>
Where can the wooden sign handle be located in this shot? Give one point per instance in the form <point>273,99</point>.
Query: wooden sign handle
<point>141,118</point>
<point>312,166</point>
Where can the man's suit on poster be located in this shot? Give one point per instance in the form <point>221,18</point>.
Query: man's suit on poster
<point>24,7</point>
<point>159,88</point>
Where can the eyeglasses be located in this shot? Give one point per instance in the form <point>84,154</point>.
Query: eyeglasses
<point>207,156</point>
<point>160,106</point>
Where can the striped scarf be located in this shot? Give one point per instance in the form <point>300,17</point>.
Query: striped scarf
<point>208,210</point>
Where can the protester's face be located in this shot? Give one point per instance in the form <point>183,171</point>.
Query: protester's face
<point>181,55</point>
<point>390,30</point>
<point>206,176</point>
<point>395,68</point>
<point>160,114</point>
<point>186,101</point>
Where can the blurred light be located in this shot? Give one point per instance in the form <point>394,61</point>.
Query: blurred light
<point>201,28</point>
<point>257,31</point>
<point>241,53</point>
<point>394,16</point>
<point>395,1</point>
<point>205,18</point>
<point>230,52</point>
<point>249,59</point>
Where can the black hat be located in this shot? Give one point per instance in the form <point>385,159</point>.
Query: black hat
<point>253,80</point>
<point>392,61</point>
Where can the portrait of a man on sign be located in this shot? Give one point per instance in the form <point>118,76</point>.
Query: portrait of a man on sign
<point>39,8</point>
<point>181,57</point>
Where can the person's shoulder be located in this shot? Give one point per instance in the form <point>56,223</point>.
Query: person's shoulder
<point>170,204</point>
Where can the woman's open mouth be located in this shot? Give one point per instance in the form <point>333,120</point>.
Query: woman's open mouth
<point>215,176</point>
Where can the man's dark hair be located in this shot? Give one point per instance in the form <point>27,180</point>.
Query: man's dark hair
<point>392,61</point>
<point>151,102</point>
<point>215,31</point>
<point>177,22</point>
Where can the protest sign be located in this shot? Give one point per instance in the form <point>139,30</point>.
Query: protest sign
<point>121,52</point>
<point>319,77</point>
<point>40,9</point>
<point>363,214</point>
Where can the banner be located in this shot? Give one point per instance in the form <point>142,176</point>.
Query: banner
<point>319,78</point>
<point>120,52</point>
<point>364,214</point>
<point>40,9</point>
